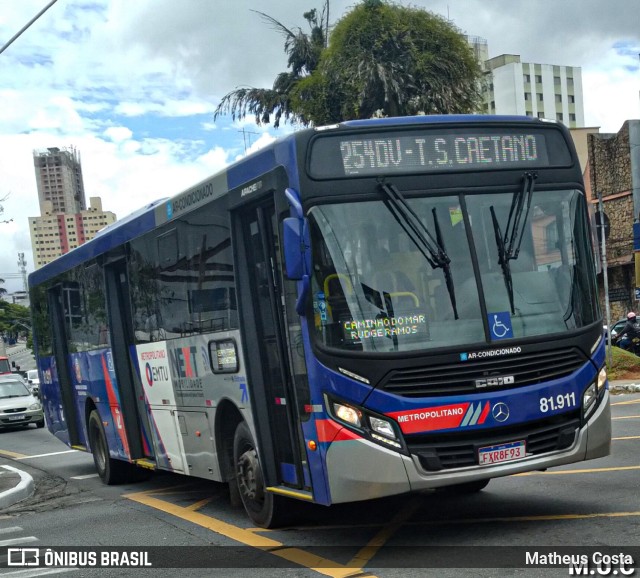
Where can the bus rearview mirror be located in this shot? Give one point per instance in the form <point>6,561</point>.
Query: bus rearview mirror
<point>297,254</point>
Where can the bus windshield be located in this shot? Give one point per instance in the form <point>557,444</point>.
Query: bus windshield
<point>414,274</point>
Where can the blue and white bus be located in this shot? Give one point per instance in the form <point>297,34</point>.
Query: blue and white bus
<point>355,311</point>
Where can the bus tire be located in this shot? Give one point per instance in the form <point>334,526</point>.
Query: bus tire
<point>466,488</point>
<point>111,471</point>
<point>267,510</point>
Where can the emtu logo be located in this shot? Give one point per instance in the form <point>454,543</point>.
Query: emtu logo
<point>184,361</point>
<point>149,373</point>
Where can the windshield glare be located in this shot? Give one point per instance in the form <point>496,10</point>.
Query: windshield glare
<point>376,287</point>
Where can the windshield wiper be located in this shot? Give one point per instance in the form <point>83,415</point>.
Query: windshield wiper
<point>509,244</point>
<point>431,248</point>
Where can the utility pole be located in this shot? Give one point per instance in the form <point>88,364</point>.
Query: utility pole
<point>244,136</point>
<point>15,36</point>
<point>3,348</point>
<point>605,277</point>
<point>23,271</point>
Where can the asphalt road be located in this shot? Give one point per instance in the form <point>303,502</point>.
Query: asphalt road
<point>589,504</point>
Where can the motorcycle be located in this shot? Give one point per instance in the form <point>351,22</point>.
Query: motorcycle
<point>632,345</point>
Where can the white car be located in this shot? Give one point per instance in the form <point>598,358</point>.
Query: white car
<point>33,379</point>
<point>17,405</point>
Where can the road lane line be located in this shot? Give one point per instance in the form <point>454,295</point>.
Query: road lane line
<point>195,507</point>
<point>626,438</point>
<point>22,540</point>
<point>626,417</point>
<point>268,545</point>
<point>543,518</point>
<point>630,402</point>
<point>361,559</point>
<point>85,477</point>
<point>11,529</point>
<point>47,455</point>
<point>39,572</point>
<point>9,454</point>
<point>585,471</point>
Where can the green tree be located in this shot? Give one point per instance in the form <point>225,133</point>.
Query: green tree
<point>3,291</point>
<point>389,60</point>
<point>304,51</point>
<point>15,319</point>
<point>382,59</point>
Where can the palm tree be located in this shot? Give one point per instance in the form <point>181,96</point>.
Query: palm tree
<point>304,51</point>
<point>3,291</point>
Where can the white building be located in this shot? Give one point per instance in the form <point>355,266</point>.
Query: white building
<point>538,90</point>
<point>54,234</point>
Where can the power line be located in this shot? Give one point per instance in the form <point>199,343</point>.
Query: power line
<point>19,33</point>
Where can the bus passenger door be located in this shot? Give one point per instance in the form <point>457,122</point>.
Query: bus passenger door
<point>265,344</point>
<point>69,419</point>
<point>133,410</point>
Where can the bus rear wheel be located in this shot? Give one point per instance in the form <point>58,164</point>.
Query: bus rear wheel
<point>267,510</point>
<point>111,471</point>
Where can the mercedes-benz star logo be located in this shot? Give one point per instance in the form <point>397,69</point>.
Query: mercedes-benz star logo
<point>500,411</point>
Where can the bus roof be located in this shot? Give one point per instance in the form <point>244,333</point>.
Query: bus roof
<point>440,119</point>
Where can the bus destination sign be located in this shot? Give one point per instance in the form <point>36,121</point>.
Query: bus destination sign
<point>430,152</point>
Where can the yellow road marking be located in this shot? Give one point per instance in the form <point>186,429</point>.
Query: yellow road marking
<point>626,438</point>
<point>295,555</point>
<point>170,490</point>
<point>381,538</point>
<point>9,454</point>
<point>585,471</point>
<point>626,417</point>
<point>195,507</point>
<point>629,402</point>
<point>543,518</point>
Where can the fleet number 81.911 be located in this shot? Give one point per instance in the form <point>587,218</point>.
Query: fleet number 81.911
<point>559,401</point>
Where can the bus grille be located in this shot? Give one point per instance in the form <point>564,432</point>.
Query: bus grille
<point>460,377</point>
<point>461,450</point>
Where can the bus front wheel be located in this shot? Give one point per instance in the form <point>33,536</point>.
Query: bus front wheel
<point>267,510</point>
<point>111,471</point>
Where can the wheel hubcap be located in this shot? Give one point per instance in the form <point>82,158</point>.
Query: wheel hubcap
<point>250,476</point>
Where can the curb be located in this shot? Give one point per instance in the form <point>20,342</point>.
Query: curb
<point>21,491</point>
<point>624,388</point>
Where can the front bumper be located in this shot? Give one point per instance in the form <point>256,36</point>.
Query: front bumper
<point>360,470</point>
<point>22,418</point>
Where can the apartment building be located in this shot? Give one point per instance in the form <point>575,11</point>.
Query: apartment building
<point>539,90</point>
<point>65,222</point>
<point>522,88</point>
<point>59,179</point>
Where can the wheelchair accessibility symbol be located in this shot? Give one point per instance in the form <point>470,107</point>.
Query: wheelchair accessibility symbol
<point>500,325</point>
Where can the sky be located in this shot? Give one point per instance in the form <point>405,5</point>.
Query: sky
<point>132,85</point>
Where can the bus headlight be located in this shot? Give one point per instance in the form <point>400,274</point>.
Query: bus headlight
<point>602,379</point>
<point>591,393</point>
<point>589,399</point>
<point>374,427</point>
<point>347,413</point>
<point>382,426</point>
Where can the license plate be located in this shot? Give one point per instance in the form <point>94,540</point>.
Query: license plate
<point>501,453</point>
<point>16,417</point>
